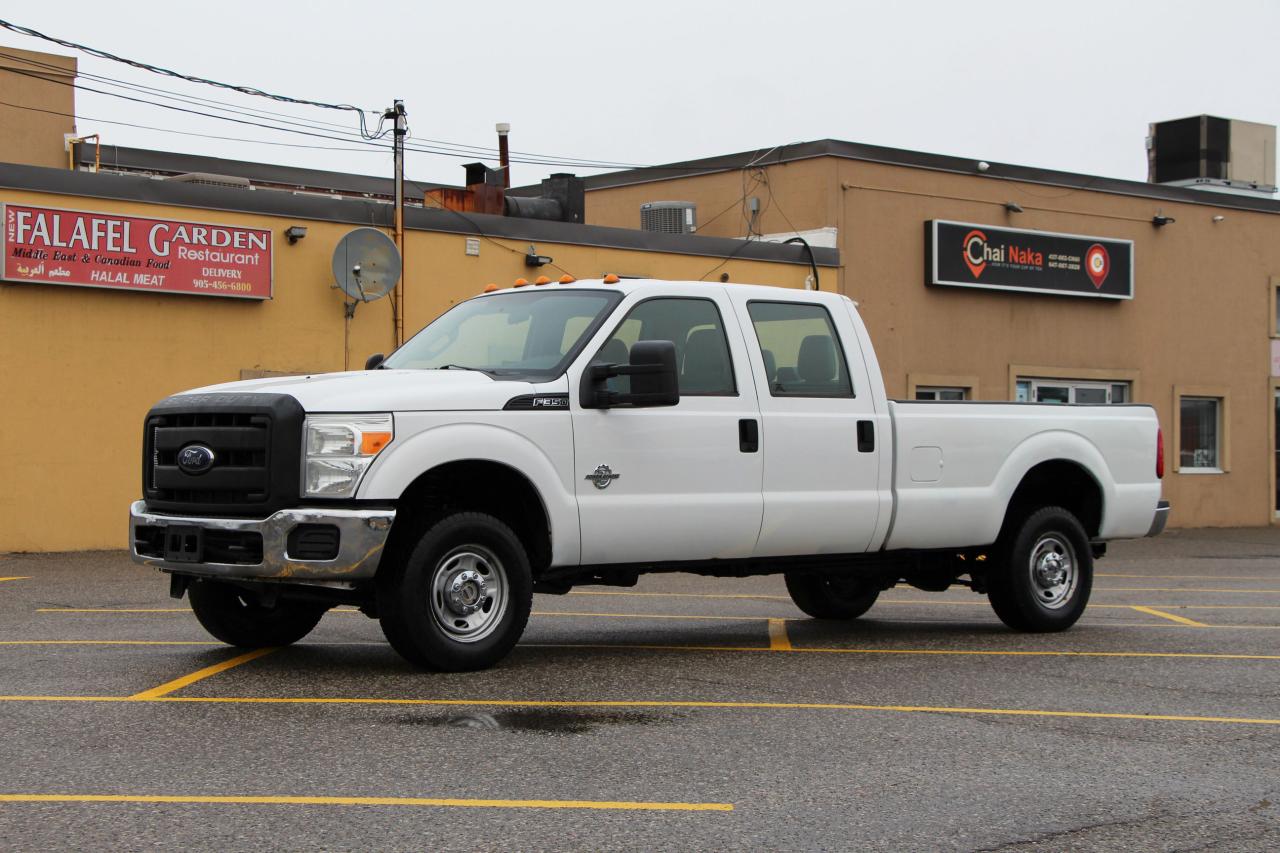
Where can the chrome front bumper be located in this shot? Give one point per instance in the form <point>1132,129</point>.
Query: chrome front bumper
<point>362,535</point>
<point>1162,518</point>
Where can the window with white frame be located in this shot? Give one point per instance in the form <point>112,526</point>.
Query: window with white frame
<point>1071,391</point>
<point>1200,431</point>
<point>935,392</point>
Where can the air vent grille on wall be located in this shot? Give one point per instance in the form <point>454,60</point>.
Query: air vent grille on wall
<point>669,217</point>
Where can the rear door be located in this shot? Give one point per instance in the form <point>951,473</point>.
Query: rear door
<point>671,483</point>
<point>818,433</point>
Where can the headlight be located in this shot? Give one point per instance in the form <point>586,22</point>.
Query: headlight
<point>338,449</point>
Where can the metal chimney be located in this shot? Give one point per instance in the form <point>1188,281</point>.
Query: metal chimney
<point>504,157</point>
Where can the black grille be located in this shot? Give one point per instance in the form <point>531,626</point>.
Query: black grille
<point>256,445</point>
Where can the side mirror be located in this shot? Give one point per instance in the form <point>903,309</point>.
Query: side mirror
<point>374,361</point>
<point>654,379</point>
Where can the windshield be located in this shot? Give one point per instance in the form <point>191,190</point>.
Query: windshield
<point>532,333</point>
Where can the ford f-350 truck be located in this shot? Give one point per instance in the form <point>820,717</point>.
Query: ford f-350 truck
<point>537,438</point>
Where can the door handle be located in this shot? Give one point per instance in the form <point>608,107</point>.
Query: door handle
<point>866,436</point>
<point>749,435</point>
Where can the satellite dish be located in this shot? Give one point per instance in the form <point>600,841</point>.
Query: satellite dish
<point>366,264</point>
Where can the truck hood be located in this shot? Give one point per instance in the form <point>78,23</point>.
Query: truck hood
<point>388,390</point>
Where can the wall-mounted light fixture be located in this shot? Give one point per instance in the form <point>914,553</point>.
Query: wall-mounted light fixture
<point>1218,219</point>
<point>983,165</point>
<point>1160,220</point>
<point>295,233</point>
<point>1012,207</point>
<point>533,259</point>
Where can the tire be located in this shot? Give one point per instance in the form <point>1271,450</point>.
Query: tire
<point>831,597</point>
<point>461,599</point>
<point>1044,575</point>
<point>232,616</point>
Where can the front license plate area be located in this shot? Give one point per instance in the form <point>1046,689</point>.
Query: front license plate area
<point>183,544</point>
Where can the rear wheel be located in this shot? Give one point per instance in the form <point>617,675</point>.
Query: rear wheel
<point>831,597</point>
<point>1044,575</point>
<point>461,598</point>
<point>234,616</point>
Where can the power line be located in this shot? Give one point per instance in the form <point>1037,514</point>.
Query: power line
<point>167,72</point>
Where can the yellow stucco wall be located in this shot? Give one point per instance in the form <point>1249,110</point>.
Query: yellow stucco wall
<point>81,367</point>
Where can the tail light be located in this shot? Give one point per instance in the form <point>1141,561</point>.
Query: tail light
<point>1159,453</point>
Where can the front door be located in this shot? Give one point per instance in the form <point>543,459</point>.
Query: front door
<point>679,482</point>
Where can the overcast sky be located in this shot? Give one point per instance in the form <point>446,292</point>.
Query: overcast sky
<point>1068,85</point>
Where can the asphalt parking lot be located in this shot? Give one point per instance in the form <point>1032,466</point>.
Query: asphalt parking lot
<point>683,713</point>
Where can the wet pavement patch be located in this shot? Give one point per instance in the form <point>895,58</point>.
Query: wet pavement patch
<point>543,721</point>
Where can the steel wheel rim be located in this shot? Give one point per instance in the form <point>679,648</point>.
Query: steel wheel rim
<point>468,595</point>
<point>1054,571</point>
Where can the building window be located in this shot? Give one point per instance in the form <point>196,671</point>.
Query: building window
<point>938,393</point>
<point>1200,426</point>
<point>1071,391</point>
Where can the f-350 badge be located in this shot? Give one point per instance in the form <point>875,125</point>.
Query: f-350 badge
<point>602,476</point>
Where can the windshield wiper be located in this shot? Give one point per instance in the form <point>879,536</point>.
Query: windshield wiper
<point>486,371</point>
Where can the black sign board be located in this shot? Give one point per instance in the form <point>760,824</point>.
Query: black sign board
<point>962,254</point>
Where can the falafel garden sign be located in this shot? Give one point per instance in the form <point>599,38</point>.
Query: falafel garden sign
<point>46,245</point>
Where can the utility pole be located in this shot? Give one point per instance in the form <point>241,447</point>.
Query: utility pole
<point>401,128</point>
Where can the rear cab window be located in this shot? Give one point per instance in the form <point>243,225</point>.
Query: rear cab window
<point>800,349</point>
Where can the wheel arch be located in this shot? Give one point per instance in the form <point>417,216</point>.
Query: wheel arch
<point>1057,482</point>
<point>474,485</point>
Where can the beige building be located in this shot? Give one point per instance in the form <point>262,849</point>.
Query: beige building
<point>1197,340</point>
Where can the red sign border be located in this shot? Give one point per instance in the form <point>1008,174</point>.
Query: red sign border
<point>4,256</point>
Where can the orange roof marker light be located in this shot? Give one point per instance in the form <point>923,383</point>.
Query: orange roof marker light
<point>490,288</point>
<point>542,279</point>
<point>521,282</point>
<point>611,279</point>
<point>567,279</point>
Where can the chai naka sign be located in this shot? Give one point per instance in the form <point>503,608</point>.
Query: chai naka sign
<point>48,245</point>
<point>964,254</point>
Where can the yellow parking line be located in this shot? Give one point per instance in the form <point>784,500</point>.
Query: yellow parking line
<point>938,652</point>
<point>109,643</point>
<point>1179,619</point>
<point>368,801</point>
<point>199,675</point>
<point>673,704</point>
<point>778,639</point>
<point>16,579</point>
<point>649,616</point>
<point>1249,591</point>
<point>113,609</point>
<point>760,597</point>
<point>1190,577</point>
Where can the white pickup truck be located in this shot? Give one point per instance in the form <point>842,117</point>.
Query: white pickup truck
<point>540,437</point>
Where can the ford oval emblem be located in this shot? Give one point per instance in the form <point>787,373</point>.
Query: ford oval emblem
<point>195,459</point>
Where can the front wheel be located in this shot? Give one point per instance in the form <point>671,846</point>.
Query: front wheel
<point>1043,578</point>
<point>236,618</point>
<point>831,597</point>
<point>461,599</point>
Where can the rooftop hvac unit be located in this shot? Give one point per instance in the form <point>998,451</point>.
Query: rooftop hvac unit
<point>669,217</point>
<point>1206,152</point>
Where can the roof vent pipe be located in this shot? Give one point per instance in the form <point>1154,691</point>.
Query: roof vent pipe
<point>504,156</point>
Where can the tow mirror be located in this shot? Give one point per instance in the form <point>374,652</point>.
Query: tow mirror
<point>654,380</point>
<point>374,361</point>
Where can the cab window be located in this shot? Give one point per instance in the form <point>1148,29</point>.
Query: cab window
<point>694,326</point>
<point>800,349</point>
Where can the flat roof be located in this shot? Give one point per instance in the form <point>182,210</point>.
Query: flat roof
<point>307,180</point>
<point>356,211</point>
<point>923,160</point>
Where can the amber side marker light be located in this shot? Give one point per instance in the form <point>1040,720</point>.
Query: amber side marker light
<point>372,442</point>
<point>542,279</point>
<point>490,288</point>
<point>611,279</point>
<point>567,279</point>
<point>521,282</point>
